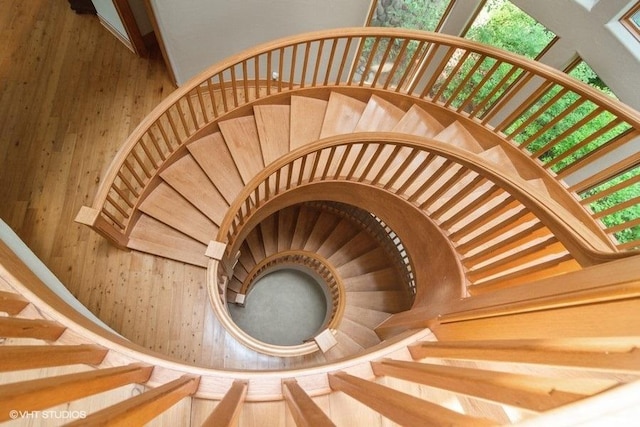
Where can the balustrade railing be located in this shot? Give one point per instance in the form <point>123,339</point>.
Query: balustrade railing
<point>507,94</point>
<point>388,239</point>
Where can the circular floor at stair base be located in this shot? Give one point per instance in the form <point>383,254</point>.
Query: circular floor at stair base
<point>285,307</point>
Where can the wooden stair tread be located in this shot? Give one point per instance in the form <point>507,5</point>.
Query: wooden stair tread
<point>286,227</point>
<point>241,136</point>
<point>305,223</point>
<point>372,260</point>
<point>539,184</point>
<point>344,231</point>
<point>187,178</point>
<point>418,122</point>
<point>167,205</point>
<point>346,347</point>
<point>497,157</point>
<point>365,316</point>
<point>379,115</point>
<point>152,236</point>
<point>342,115</point>
<point>307,115</point>
<point>269,233</point>
<point>387,301</point>
<point>272,122</point>
<point>253,243</point>
<point>213,156</point>
<point>381,280</point>
<point>356,247</point>
<point>322,229</point>
<point>456,134</point>
<point>361,334</point>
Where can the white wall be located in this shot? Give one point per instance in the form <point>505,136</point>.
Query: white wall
<point>11,239</point>
<point>108,13</point>
<point>597,37</point>
<point>199,33</point>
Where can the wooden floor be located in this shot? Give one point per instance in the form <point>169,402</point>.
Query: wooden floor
<point>70,93</point>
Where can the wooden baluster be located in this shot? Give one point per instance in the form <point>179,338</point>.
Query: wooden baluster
<point>402,169</point>
<point>400,407</point>
<point>141,409</point>
<point>587,353</point>
<point>485,197</point>
<point>459,196</point>
<point>463,84</point>
<point>234,86</point>
<point>318,61</point>
<point>304,410</point>
<point>12,303</point>
<point>201,102</point>
<point>547,104</point>
<point>432,179</point>
<point>451,75</point>
<point>383,60</point>
<point>523,391</point>
<point>533,232</point>
<point>344,60</point>
<point>15,358</point>
<point>245,82</point>
<point>227,411</point>
<point>396,63</point>
<point>438,71</point>
<point>30,328</point>
<point>508,204</point>
<point>572,129</point>
<point>512,221</point>
<point>256,76</point>
<point>294,61</point>
<point>47,392</point>
<point>386,165</point>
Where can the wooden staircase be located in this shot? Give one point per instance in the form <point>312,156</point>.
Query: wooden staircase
<point>373,287</point>
<point>523,298</point>
<point>587,371</point>
<point>488,226</point>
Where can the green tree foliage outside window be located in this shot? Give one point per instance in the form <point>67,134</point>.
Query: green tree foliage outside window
<point>583,127</point>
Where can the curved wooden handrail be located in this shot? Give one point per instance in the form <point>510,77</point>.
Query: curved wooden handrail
<point>328,62</point>
<point>585,246</point>
<point>214,383</point>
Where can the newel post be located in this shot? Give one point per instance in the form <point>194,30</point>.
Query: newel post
<point>91,217</point>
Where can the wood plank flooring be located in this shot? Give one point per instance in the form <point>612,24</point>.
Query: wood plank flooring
<point>70,94</point>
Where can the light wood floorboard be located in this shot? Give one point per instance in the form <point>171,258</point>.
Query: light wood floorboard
<point>70,94</point>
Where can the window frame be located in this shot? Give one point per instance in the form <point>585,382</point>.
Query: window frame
<point>628,23</point>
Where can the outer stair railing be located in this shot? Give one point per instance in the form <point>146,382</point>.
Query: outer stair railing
<point>504,94</point>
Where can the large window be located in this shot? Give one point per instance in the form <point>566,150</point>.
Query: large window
<point>631,20</point>
<point>502,24</point>
<point>426,15</point>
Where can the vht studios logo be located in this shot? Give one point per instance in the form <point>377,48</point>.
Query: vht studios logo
<point>52,415</point>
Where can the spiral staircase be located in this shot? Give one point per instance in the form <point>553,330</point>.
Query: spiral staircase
<point>470,281</point>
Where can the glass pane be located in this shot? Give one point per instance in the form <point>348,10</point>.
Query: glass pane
<point>500,23</point>
<point>413,14</point>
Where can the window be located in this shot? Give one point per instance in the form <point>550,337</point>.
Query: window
<point>631,20</point>
<point>426,15</point>
<point>502,24</point>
